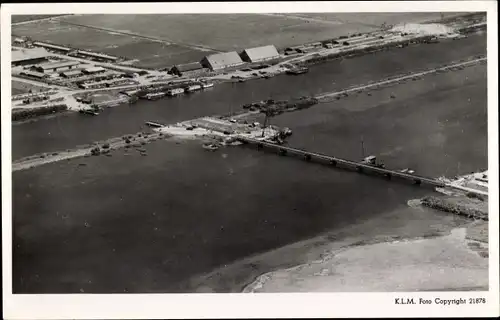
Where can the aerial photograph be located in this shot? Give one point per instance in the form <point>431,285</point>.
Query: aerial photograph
<point>249,153</point>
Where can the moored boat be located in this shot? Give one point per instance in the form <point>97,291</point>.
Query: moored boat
<point>175,92</point>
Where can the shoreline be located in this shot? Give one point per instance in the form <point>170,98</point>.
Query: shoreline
<point>247,274</point>
<point>78,152</point>
<point>389,41</point>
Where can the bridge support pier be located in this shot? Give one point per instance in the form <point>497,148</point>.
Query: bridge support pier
<point>307,157</point>
<point>388,176</point>
<point>418,182</point>
<point>359,169</point>
<point>333,163</point>
<point>282,152</point>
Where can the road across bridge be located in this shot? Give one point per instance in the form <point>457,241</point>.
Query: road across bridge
<point>338,162</point>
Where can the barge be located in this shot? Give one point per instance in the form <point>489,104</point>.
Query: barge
<point>89,112</point>
<point>297,71</point>
<point>192,88</point>
<point>207,85</point>
<point>154,124</point>
<point>175,92</point>
<point>155,96</point>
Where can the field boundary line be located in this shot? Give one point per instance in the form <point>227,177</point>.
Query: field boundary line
<point>150,38</point>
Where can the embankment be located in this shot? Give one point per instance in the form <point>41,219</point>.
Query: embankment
<point>24,114</point>
<point>471,208</point>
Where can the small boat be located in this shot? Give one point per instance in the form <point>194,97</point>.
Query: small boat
<point>207,85</point>
<point>88,111</point>
<point>210,147</point>
<point>155,96</point>
<point>297,71</point>
<point>193,88</point>
<point>175,92</point>
<point>287,131</point>
<point>154,124</point>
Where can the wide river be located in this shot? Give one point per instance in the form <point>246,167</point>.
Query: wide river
<point>130,223</point>
<point>68,131</point>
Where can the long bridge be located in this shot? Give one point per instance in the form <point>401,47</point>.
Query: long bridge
<point>342,163</point>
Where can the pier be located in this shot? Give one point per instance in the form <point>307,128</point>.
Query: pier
<point>342,163</point>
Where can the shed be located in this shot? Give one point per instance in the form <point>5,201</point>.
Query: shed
<point>94,70</point>
<point>222,60</point>
<point>181,68</point>
<point>29,56</point>
<point>34,74</point>
<point>260,54</point>
<point>57,66</point>
<point>71,74</point>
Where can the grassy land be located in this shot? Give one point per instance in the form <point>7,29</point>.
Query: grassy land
<point>24,18</point>
<point>239,31</point>
<point>22,87</point>
<point>149,53</point>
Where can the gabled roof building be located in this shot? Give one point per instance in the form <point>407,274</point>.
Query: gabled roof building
<point>222,60</point>
<point>259,54</point>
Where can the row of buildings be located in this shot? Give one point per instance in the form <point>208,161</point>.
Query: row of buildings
<point>225,60</point>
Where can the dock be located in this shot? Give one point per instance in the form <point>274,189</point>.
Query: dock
<point>342,163</point>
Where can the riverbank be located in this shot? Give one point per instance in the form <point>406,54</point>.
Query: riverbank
<point>171,239</point>
<point>136,141</point>
<point>44,158</point>
<point>449,263</point>
<point>368,250</point>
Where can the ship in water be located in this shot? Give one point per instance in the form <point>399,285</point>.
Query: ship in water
<point>210,146</point>
<point>207,85</point>
<point>192,88</point>
<point>155,95</point>
<point>91,112</point>
<point>175,92</point>
<point>297,71</point>
<point>154,124</point>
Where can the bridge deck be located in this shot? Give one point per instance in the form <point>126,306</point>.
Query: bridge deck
<point>348,163</point>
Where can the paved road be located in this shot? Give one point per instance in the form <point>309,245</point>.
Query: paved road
<point>402,78</point>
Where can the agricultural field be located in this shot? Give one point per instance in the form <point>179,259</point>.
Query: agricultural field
<point>239,31</point>
<point>158,41</point>
<point>148,53</point>
<point>24,18</point>
<point>376,19</point>
<point>18,87</point>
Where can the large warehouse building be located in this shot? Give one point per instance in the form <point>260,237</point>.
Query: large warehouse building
<point>260,54</point>
<point>58,66</point>
<point>222,60</point>
<point>29,56</point>
<point>188,69</point>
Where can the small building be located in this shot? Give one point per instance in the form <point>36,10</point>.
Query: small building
<point>19,41</point>
<point>71,74</point>
<point>50,46</point>
<point>34,74</point>
<point>94,70</point>
<point>25,57</point>
<point>260,54</point>
<point>191,68</point>
<point>222,60</point>
<point>57,66</point>
<point>96,55</point>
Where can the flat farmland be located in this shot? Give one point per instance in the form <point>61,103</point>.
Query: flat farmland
<point>148,53</point>
<point>376,19</point>
<point>30,17</point>
<point>224,32</point>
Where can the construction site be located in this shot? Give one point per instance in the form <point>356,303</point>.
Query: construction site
<point>357,134</point>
